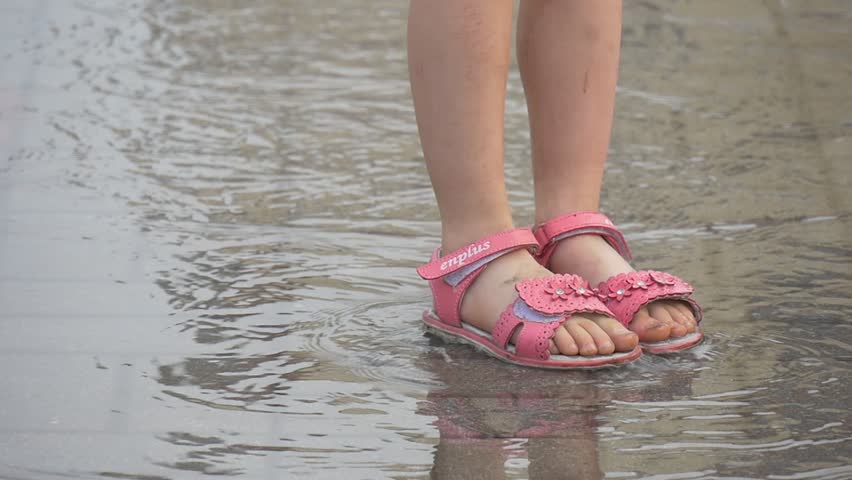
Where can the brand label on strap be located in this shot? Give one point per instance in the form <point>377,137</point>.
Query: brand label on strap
<point>485,248</point>
<point>459,259</point>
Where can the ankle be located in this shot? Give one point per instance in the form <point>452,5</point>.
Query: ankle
<point>589,256</point>
<point>573,254</point>
<point>461,234</point>
<point>547,208</point>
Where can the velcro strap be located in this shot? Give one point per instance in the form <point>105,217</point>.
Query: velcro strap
<point>447,264</point>
<point>581,223</point>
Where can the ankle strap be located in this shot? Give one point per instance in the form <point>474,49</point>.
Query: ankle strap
<point>551,232</point>
<point>483,249</point>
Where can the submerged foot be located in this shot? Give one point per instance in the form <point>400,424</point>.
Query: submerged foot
<point>595,260</point>
<point>494,289</point>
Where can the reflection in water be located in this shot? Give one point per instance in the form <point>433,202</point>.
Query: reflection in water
<point>539,427</point>
<point>268,153</point>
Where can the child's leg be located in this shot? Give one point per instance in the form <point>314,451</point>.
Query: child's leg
<point>568,55</point>
<point>458,55</point>
<point>458,62</point>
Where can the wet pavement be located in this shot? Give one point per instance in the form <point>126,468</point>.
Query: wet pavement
<point>210,216</point>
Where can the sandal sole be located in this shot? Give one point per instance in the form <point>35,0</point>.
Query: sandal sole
<point>470,335</point>
<point>674,345</point>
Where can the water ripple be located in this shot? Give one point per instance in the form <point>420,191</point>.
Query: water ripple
<point>268,154</point>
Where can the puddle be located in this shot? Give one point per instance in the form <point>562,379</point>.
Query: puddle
<point>210,217</point>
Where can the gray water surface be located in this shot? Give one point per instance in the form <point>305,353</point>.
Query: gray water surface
<point>211,212</point>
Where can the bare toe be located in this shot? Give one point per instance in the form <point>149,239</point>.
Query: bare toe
<point>649,328</point>
<point>688,316</point>
<point>602,341</point>
<point>564,343</point>
<point>660,311</point>
<point>679,317</point>
<point>624,339</point>
<point>582,338</point>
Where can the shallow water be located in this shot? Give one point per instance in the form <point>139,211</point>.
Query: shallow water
<point>210,217</point>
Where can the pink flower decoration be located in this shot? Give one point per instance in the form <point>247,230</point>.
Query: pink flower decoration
<point>562,288</point>
<point>620,294</point>
<point>557,289</point>
<point>558,294</point>
<point>661,278</point>
<point>581,287</point>
<point>636,281</point>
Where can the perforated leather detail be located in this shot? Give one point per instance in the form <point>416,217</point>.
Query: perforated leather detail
<point>626,293</point>
<point>505,327</point>
<point>560,294</point>
<point>534,339</point>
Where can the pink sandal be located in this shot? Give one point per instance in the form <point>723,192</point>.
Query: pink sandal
<point>625,293</point>
<point>543,305</point>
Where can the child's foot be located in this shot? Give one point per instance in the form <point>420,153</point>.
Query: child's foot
<point>494,289</point>
<point>590,257</point>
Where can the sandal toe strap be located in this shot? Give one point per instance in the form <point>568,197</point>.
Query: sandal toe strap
<point>626,293</point>
<point>534,337</point>
<point>561,294</point>
<point>544,304</point>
